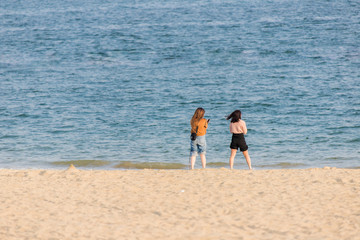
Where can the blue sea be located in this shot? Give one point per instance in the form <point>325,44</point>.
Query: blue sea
<point>107,84</point>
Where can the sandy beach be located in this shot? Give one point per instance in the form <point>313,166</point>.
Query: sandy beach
<point>319,203</point>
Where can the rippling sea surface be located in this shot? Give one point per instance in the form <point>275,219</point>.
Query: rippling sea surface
<point>113,84</point>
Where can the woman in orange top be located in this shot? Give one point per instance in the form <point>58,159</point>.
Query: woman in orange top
<point>198,144</point>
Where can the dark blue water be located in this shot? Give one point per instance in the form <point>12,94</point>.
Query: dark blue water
<point>117,82</point>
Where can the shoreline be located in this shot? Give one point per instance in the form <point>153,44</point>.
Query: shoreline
<point>134,165</point>
<point>213,203</point>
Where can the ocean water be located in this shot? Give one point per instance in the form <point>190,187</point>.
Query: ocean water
<point>113,84</point>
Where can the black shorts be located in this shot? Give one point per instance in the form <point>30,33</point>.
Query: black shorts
<point>238,141</point>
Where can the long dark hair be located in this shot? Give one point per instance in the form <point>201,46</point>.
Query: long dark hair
<point>235,116</point>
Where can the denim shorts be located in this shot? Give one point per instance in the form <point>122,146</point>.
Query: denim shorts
<point>198,146</point>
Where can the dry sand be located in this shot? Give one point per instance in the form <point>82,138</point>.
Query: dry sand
<point>180,204</point>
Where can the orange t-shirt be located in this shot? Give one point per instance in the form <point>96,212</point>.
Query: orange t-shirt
<point>203,124</point>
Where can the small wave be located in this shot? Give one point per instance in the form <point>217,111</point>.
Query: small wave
<point>82,163</point>
<point>282,165</point>
<point>335,158</point>
<point>290,52</point>
<point>325,18</point>
<point>23,115</point>
<point>355,140</point>
<point>9,136</point>
<point>217,164</point>
<point>349,127</point>
<point>267,52</point>
<point>270,19</point>
<point>149,165</point>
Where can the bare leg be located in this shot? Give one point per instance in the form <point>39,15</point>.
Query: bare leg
<point>247,157</point>
<point>192,161</point>
<point>232,156</point>
<point>203,160</point>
